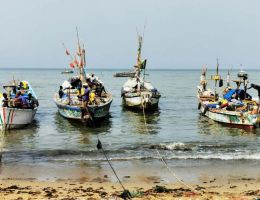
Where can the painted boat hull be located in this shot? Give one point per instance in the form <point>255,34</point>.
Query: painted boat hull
<point>13,118</point>
<point>231,117</point>
<point>136,102</point>
<point>74,112</point>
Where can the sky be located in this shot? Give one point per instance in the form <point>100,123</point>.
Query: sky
<point>178,34</point>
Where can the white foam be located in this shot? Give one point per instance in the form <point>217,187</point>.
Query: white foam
<point>175,146</point>
<point>220,156</point>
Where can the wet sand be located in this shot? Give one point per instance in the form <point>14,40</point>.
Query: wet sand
<point>144,180</point>
<point>101,189</point>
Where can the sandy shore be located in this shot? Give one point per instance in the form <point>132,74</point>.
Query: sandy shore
<point>101,188</point>
<point>144,179</point>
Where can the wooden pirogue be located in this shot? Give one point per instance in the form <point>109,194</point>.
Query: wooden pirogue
<point>236,107</point>
<point>83,97</point>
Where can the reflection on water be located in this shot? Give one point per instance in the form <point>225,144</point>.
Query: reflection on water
<point>67,125</point>
<point>21,136</point>
<point>135,120</point>
<point>208,126</point>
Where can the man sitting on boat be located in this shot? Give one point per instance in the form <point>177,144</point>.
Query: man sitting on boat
<point>19,100</point>
<point>32,102</point>
<point>99,89</point>
<point>92,78</point>
<point>89,83</point>
<point>5,100</point>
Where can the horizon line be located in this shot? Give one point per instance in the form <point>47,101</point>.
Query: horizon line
<point>128,69</point>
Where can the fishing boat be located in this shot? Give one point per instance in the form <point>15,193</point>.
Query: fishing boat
<point>67,72</point>
<point>70,98</point>
<point>14,113</point>
<point>236,107</point>
<point>137,92</point>
<point>125,74</point>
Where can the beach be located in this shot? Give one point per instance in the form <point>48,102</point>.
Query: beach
<point>56,153</point>
<point>153,100</point>
<point>149,188</point>
<point>149,180</point>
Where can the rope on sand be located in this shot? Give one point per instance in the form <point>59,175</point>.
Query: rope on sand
<point>170,170</point>
<point>161,157</point>
<point>126,194</point>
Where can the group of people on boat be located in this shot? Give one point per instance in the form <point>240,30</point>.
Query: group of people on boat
<point>233,99</point>
<point>87,93</point>
<point>19,97</point>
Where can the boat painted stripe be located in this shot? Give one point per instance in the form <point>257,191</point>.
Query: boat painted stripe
<point>8,119</point>
<point>4,114</point>
<point>9,114</point>
<point>12,117</point>
<point>1,119</point>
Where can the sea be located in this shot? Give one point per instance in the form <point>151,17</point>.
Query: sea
<point>183,136</point>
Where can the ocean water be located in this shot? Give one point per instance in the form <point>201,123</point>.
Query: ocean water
<point>177,129</point>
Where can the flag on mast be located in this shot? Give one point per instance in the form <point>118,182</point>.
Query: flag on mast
<point>76,62</point>
<point>72,65</point>
<point>67,52</point>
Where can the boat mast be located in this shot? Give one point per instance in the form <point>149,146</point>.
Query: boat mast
<point>138,66</point>
<point>82,64</point>
<point>216,78</point>
<point>139,51</point>
<point>203,81</point>
<point>228,79</point>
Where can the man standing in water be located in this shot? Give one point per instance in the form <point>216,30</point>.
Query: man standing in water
<point>61,93</point>
<point>85,98</point>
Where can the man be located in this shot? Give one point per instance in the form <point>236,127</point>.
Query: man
<point>92,78</point>
<point>18,100</point>
<point>5,100</point>
<point>61,93</point>
<point>14,90</point>
<point>100,89</point>
<point>89,83</point>
<point>85,96</point>
<point>32,101</point>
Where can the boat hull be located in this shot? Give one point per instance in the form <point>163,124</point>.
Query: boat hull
<point>75,112</point>
<point>13,118</point>
<point>231,117</point>
<point>137,102</point>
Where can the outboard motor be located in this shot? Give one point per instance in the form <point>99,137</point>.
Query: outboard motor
<point>243,75</point>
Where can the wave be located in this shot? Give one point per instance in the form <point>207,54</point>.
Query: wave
<point>173,151</point>
<point>179,146</point>
<point>234,156</point>
<point>103,159</point>
<point>224,157</point>
<point>196,146</point>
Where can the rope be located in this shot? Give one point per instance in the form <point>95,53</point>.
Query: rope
<point>2,135</point>
<point>170,170</point>
<point>99,146</point>
<point>145,124</point>
<point>162,159</point>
